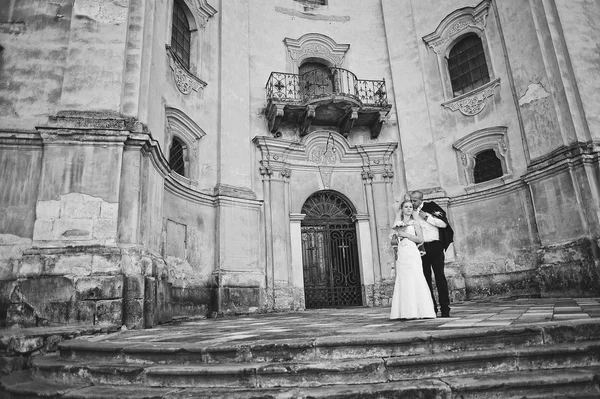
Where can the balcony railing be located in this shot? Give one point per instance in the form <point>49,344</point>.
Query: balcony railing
<point>318,83</point>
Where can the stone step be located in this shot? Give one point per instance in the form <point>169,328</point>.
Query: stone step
<point>322,372</point>
<point>580,383</point>
<point>414,343</point>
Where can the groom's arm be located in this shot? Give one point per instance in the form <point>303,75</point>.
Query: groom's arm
<point>439,223</point>
<point>437,216</point>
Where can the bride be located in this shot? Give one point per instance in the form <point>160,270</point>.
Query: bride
<point>412,298</point>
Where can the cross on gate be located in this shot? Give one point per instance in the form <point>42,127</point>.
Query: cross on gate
<point>343,247</point>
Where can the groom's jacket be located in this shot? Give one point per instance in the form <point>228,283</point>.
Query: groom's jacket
<point>446,234</point>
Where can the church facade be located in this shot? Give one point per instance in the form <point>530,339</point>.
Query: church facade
<point>169,158</point>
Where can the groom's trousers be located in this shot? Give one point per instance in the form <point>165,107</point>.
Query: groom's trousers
<point>434,259</point>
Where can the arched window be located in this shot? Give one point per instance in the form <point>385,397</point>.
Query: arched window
<point>181,33</point>
<point>467,65</point>
<point>177,156</point>
<point>487,166</point>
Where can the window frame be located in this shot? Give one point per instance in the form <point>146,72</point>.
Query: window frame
<point>468,147</point>
<point>179,125</point>
<point>452,29</point>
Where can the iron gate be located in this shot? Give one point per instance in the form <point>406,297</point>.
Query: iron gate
<point>330,254</point>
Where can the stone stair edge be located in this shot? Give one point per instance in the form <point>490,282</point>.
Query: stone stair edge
<point>55,362</point>
<point>445,385</point>
<point>549,333</point>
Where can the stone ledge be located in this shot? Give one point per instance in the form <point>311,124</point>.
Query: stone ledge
<point>19,345</point>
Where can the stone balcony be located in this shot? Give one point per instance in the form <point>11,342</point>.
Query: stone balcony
<point>326,97</point>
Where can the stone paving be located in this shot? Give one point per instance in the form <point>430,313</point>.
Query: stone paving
<point>362,321</point>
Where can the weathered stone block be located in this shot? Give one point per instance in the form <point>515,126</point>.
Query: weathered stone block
<point>47,210</point>
<point>56,312</point>
<point>43,230</point>
<point>73,229</point>
<point>150,312</point>
<point>86,312</point>
<point>30,266</point>
<point>239,299</point>
<point>106,264</point>
<point>80,209</point>
<point>78,264</point>
<point>133,286</point>
<point>20,315</point>
<point>134,313</point>
<point>100,287</point>
<point>109,210</point>
<point>109,312</point>
<point>25,344</point>
<point>105,229</point>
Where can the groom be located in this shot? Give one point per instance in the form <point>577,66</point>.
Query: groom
<point>438,235</point>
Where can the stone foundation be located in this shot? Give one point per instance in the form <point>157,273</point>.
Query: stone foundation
<point>572,269</point>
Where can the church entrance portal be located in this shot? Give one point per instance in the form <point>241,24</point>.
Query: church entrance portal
<point>330,252</point>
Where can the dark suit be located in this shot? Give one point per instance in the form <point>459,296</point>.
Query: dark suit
<point>434,257</point>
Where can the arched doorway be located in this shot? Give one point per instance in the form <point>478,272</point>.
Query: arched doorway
<point>330,252</point>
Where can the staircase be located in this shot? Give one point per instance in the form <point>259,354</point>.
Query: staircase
<point>541,360</point>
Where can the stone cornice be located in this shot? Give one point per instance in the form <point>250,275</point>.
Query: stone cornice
<point>23,139</point>
<point>504,189</point>
<point>563,158</point>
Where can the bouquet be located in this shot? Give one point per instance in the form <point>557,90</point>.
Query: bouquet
<point>398,225</point>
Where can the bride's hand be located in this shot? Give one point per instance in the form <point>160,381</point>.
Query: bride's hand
<point>404,234</point>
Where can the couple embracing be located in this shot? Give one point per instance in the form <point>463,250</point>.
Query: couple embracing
<point>419,223</point>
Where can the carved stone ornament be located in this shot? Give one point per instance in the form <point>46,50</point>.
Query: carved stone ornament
<point>472,18</point>
<point>202,10</point>
<point>316,45</point>
<point>320,156</point>
<point>185,81</point>
<point>473,102</point>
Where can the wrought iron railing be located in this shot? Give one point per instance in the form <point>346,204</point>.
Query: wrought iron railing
<point>289,87</point>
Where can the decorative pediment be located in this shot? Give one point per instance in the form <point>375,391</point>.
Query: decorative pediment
<point>185,81</point>
<point>325,151</point>
<point>316,45</point>
<point>178,122</point>
<point>456,24</point>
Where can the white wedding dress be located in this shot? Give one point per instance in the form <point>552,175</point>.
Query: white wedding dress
<point>412,298</point>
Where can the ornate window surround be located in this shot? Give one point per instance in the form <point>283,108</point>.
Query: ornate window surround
<point>448,33</point>
<point>468,147</point>
<point>315,47</point>
<point>179,125</point>
<point>198,13</point>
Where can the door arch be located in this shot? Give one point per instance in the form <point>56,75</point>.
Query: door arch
<point>330,259</point>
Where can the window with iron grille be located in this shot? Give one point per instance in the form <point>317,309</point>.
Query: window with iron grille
<point>177,157</point>
<point>467,65</point>
<point>180,33</point>
<point>487,166</point>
